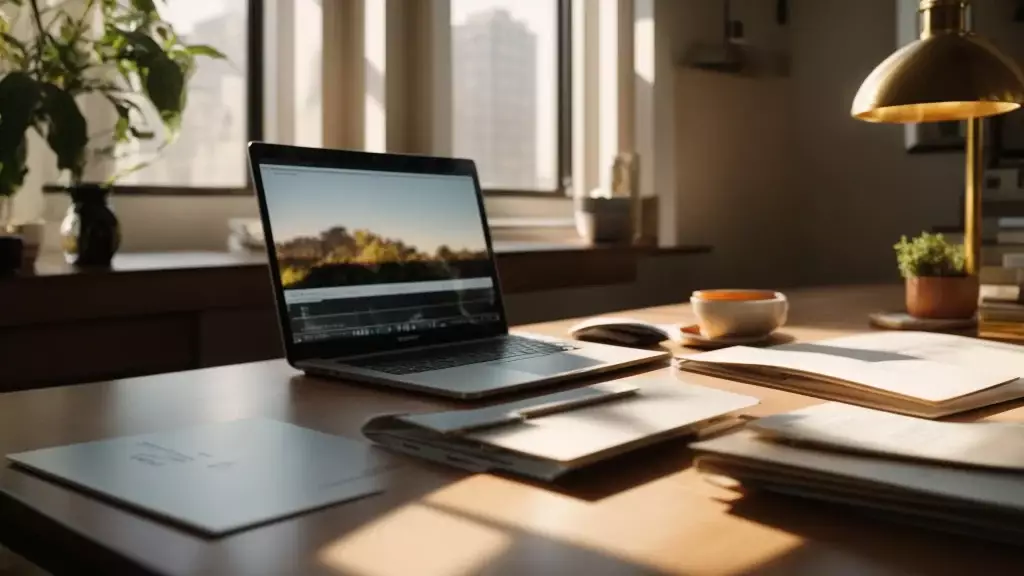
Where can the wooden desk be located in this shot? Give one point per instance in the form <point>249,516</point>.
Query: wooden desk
<point>645,513</point>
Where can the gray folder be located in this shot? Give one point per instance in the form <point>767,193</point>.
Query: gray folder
<point>217,478</point>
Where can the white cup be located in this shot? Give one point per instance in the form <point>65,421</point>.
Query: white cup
<point>739,313</point>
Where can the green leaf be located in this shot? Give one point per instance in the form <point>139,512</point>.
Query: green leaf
<point>172,121</point>
<point>68,28</point>
<point>19,100</point>
<point>12,168</point>
<point>165,86</point>
<point>929,255</point>
<point>66,130</point>
<point>14,42</point>
<point>142,134</point>
<point>205,50</point>
<point>143,49</point>
<point>121,128</point>
<point>126,125</point>
<point>147,6</point>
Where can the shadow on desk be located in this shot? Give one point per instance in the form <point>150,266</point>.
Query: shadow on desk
<point>846,531</point>
<point>625,472</point>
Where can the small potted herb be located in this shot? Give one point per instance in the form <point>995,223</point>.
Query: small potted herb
<point>937,283</point>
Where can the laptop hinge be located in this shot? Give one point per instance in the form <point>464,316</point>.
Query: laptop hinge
<point>410,349</point>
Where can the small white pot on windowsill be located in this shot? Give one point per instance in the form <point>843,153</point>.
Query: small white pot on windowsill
<point>604,219</point>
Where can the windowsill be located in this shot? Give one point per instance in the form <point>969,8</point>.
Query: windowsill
<point>157,191</point>
<point>513,222</point>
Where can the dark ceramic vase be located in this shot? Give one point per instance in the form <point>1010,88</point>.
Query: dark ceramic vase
<point>90,233</point>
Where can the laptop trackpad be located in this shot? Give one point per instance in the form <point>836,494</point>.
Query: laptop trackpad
<point>552,364</point>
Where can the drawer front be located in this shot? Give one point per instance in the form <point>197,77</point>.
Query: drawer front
<point>58,354</point>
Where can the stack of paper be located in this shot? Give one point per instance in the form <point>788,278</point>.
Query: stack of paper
<point>916,373</point>
<point>964,478</point>
<point>547,436</point>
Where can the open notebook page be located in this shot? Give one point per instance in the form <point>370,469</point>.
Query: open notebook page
<point>926,380</point>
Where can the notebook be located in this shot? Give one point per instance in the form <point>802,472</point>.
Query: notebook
<point>546,436</point>
<point>963,478</point>
<point>916,373</point>
<point>842,427</point>
<point>219,478</point>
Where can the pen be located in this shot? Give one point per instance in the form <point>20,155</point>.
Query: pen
<point>569,405</point>
<point>550,408</point>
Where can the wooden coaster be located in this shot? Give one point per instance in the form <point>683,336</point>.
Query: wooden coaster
<point>904,321</point>
<point>692,338</point>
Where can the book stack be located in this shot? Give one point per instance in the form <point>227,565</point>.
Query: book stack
<point>1002,240</point>
<point>1001,308</point>
<point>963,478</point>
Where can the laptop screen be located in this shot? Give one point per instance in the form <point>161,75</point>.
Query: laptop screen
<point>370,253</point>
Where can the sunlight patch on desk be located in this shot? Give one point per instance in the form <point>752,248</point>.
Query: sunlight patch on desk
<point>664,526</point>
<point>416,539</point>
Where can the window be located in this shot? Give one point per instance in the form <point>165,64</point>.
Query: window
<point>224,101</point>
<point>510,82</point>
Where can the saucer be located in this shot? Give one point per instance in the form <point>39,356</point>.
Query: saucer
<point>691,336</point>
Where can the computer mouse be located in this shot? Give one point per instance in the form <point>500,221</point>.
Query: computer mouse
<point>623,332</point>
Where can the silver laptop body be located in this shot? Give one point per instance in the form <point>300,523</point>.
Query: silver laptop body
<point>383,272</point>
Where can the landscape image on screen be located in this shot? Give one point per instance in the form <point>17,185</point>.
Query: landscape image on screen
<point>345,228</point>
<point>342,257</point>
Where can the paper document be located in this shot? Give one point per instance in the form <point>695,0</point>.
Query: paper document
<point>832,425</point>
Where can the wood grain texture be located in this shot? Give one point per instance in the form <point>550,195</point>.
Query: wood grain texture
<point>646,512</point>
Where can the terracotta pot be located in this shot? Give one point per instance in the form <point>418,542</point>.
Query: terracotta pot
<point>942,296</point>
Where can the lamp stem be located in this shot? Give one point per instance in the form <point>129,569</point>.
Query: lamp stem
<point>943,16</point>
<point>972,207</point>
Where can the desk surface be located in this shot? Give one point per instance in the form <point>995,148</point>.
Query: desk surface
<point>645,513</point>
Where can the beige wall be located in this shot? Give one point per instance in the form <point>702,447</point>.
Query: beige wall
<point>858,188</point>
<point>734,145</point>
<point>775,174</point>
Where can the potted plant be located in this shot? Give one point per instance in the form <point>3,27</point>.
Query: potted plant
<point>937,283</point>
<point>122,52</point>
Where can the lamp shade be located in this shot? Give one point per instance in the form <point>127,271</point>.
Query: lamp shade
<point>951,76</point>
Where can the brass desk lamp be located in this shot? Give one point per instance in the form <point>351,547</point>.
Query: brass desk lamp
<point>947,74</point>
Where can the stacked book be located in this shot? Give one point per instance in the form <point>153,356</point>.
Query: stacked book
<point>1001,309</point>
<point>965,478</point>
<point>1002,240</point>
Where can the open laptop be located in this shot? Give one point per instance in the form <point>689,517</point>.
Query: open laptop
<point>383,272</point>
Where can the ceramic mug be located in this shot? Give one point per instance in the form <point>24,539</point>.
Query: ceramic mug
<point>738,313</point>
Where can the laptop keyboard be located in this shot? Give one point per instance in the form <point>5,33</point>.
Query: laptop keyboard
<point>510,348</point>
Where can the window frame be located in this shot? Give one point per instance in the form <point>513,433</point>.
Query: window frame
<point>563,115</point>
<point>254,101</point>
